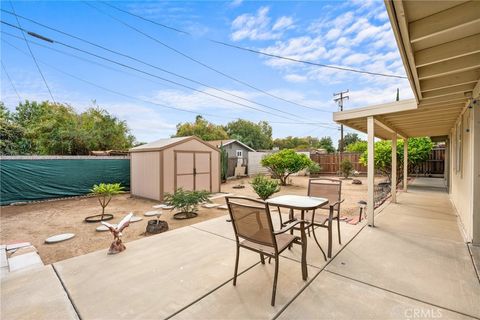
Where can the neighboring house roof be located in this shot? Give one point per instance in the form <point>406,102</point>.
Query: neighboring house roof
<point>218,143</point>
<point>166,143</point>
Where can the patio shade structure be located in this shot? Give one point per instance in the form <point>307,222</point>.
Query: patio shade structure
<point>439,43</point>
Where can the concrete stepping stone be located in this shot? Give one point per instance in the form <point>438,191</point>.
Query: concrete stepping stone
<point>163,206</point>
<point>220,195</point>
<point>102,228</point>
<point>211,205</point>
<point>223,206</point>
<point>60,237</point>
<point>14,246</point>
<point>152,213</point>
<point>25,261</point>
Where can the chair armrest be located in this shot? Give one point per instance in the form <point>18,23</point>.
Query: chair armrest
<point>287,227</point>
<point>337,203</point>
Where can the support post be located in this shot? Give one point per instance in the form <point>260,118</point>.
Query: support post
<point>394,168</point>
<point>405,164</point>
<point>371,170</point>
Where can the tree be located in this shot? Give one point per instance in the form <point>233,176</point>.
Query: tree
<point>285,162</point>
<point>327,144</point>
<point>255,135</point>
<point>359,147</point>
<point>104,193</point>
<point>201,128</point>
<point>348,139</point>
<point>418,151</point>
<point>47,128</point>
<point>11,134</point>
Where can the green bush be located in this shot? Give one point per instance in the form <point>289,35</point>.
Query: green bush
<point>346,167</point>
<point>285,162</point>
<point>264,187</point>
<point>186,201</point>
<point>314,168</point>
<point>104,192</point>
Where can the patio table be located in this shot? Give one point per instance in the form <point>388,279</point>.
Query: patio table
<point>302,203</point>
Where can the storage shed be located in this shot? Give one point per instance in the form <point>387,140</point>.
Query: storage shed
<point>165,165</point>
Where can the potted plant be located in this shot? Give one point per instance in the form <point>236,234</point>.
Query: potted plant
<point>264,187</point>
<point>314,170</point>
<point>104,193</point>
<point>186,202</point>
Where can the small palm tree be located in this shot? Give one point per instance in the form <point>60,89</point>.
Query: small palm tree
<point>104,192</point>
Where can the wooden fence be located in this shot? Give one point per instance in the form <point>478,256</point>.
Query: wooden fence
<point>330,162</point>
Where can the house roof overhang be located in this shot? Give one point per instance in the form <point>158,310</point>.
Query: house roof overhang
<point>439,43</point>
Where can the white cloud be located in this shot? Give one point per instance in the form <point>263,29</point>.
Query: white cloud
<point>356,58</point>
<point>283,23</point>
<point>259,27</point>
<point>333,34</point>
<point>303,48</point>
<point>295,78</point>
<point>236,3</point>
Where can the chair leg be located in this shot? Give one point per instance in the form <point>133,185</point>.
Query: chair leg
<point>318,244</point>
<point>274,291</point>
<point>329,254</point>
<point>338,227</point>
<point>236,267</point>
<point>262,258</point>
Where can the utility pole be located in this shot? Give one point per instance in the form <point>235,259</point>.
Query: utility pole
<point>338,98</point>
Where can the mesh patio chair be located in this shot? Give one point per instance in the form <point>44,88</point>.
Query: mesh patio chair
<point>254,231</point>
<point>324,217</point>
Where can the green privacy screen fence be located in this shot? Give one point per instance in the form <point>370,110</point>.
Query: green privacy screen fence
<point>36,178</point>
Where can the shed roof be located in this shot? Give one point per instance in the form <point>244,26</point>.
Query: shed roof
<point>218,143</point>
<point>166,143</point>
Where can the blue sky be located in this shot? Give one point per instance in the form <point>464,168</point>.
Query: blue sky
<point>355,34</point>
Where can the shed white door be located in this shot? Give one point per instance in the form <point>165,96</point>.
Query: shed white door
<point>193,170</point>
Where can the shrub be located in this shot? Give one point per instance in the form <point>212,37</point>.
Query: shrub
<point>223,162</point>
<point>314,168</point>
<point>105,192</point>
<point>346,167</point>
<point>186,201</point>
<point>285,162</point>
<point>264,187</point>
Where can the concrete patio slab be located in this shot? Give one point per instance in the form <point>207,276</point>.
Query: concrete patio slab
<point>430,270</point>
<point>314,255</point>
<point>35,294</point>
<point>154,278</point>
<point>250,298</point>
<point>333,297</point>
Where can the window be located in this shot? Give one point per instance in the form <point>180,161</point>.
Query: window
<point>239,153</point>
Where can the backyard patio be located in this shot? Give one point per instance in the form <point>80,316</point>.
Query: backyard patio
<point>413,264</point>
<point>37,221</point>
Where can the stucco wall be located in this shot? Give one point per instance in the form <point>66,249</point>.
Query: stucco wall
<point>463,178</point>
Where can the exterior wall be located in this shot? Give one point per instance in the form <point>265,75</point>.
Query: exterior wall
<point>232,150</point>
<point>192,145</point>
<point>464,182</point>
<point>145,174</point>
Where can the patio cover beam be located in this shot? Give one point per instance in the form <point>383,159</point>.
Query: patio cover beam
<point>379,121</point>
<point>405,165</point>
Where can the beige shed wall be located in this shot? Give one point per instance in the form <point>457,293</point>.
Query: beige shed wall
<point>192,145</point>
<point>145,174</point>
<point>465,182</point>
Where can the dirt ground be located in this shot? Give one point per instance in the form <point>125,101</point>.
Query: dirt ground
<point>38,221</point>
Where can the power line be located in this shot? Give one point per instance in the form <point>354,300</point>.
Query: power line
<point>198,61</point>
<point>50,40</point>
<point>120,93</point>
<point>147,64</point>
<point>11,82</point>
<point>261,52</point>
<point>33,56</point>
